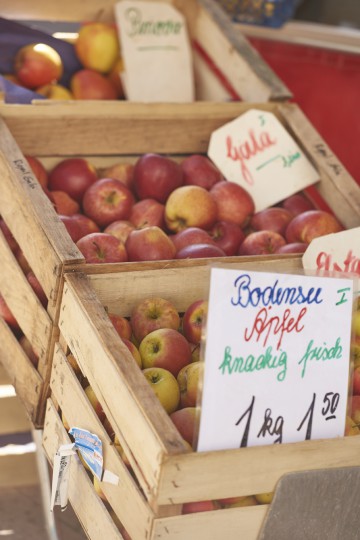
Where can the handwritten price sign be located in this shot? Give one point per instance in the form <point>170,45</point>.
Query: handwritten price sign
<point>258,153</point>
<point>276,359</point>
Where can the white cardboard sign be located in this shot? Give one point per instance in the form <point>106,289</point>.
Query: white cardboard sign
<point>258,153</point>
<point>334,252</point>
<point>156,52</point>
<point>276,359</point>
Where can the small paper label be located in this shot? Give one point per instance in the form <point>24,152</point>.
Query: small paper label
<point>60,479</point>
<point>156,52</point>
<point>257,152</point>
<point>90,448</point>
<point>339,252</point>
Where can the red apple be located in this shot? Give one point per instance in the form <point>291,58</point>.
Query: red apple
<point>274,218</point>
<point>55,91</point>
<point>199,506</point>
<point>115,78</point>
<point>89,84</point>
<point>37,64</point>
<point>148,212</point>
<point>122,171</point>
<point>297,204</point>
<point>38,169</point>
<point>22,261</point>
<point>37,288</point>
<point>64,204</point>
<point>193,320</point>
<point>13,245</point>
<point>190,206</point>
<point>199,170</point>
<point>72,227</point>
<point>165,348</point>
<point>261,243</point>
<point>294,247</point>
<point>189,378</point>
<point>350,427</point>
<point>102,248</point>
<point>97,46</point>
<point>134,351</point>
<point>85,224</point>
<point>107,200</point>
<point>29,351</point>
<point>233,202</point>
<point>121,229</point>
<point>165,386</point>
<point>227,236</point>
<point>189,236</point>
<point>311,224</point>
<point>185,421</point>
<point>7,315</point>
<point>72,175</point>
<point>156,176</point>
<point>356,381</point>
<point>151,314</point>
<point>149,244</point>
<point>355,409</point>
<point>121,325</point>
<point>95,402</point>
<point>199,251</point>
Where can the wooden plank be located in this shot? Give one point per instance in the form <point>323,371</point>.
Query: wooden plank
<point>126,499</point>
<point>126,397</point>
<point>249,471</point>
<point>23,376</point>
<point>90,510</point>
<point>4,377</point>
<point>232,524</point>
<point>13,418</point>
<point>315,504</point>
<point>18,470</point>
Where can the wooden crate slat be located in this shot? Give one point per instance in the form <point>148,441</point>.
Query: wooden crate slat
<point>87,505</point>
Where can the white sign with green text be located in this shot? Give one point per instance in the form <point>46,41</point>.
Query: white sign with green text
<point>277,359</point>
<point>156,52</point>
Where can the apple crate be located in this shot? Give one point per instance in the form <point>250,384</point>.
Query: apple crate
<point>47,248</point>
<point>226,66</point>
<point>165,473</point>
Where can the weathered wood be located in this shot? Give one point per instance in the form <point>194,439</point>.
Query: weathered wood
<point>315,504</point>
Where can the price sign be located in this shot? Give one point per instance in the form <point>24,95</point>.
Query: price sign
<point>258,153</point>
<point>276,359</point>
<point>156,52</point>
<point>338,252</point>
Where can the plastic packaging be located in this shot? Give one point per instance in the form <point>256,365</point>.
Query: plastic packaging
<point>261,12</point>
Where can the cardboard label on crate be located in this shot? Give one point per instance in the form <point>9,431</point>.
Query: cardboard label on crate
<point>258,153</point>
<point>339,252</point>
<point>276,358</point>
<point>156,52</point>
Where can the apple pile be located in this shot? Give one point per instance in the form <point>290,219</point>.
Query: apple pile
<point>39,67</point>
<point>159,209</point>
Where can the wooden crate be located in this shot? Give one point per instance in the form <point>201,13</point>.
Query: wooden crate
<point>165,474</point>
<point>105,135</point>
<point>47,248</point>
<point>225,63</point>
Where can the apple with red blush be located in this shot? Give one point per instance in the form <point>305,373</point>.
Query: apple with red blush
<point>149,244</point>
<point>86,225</point>
<point>297,204</point>
<point>153,313</point>
<point>90,84</point>
<point>12,243</point>
<point>274,218</point>
<point>199,170</point>
<point>190,236</point>
<point>64,204</point>
<point>193,320</point>
<point>38,170</point>
<point>356,381</point>
<point>189,378</point>
<point>185,421</point>
<point>156,176</point>
<point>90,394</point>
<point>37,64</point>
<point>7,315</point>
<point>233,202</point>
<point>165,348</point>
<point>190,206</point>
<point>121,229</point>
<point>72,227</point>
<point>199,506</point>
<point>147,213</point>
<point>200,251</point>
<point>227,236</point>
<point>107,200</point>
<point>102,248</point>
<point>134,351</point>
<point>261,243</point>
<point>293,247</point>
<point>72,175</point>
<point>122,171</point>
<point>165,387</point>
<point>311,224</point>
<point>121,325</point>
